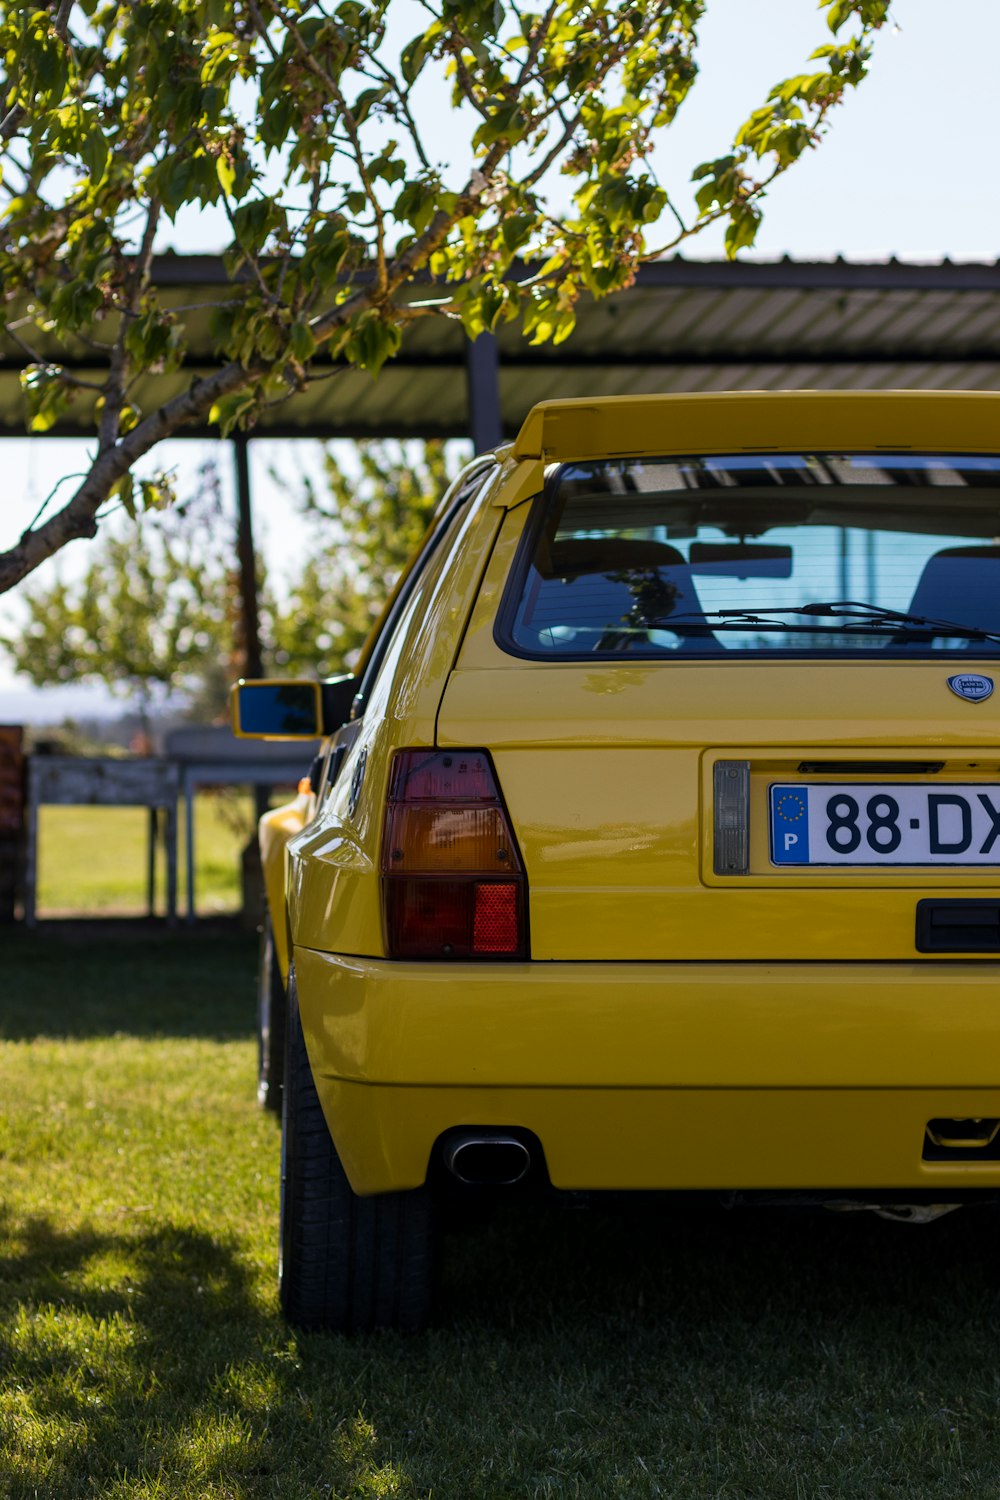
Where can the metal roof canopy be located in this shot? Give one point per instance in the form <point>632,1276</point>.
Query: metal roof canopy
<point>683,326</point>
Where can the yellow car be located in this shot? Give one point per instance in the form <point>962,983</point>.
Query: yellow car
<point>655,843</point>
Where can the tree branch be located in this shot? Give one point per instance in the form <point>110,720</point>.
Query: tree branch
<point>17,112</point>
<point>61,22</point>
<point>11,120</point>
<point>118,369</point>
<point>402,97</point>
<point>611,60</point>
<point>350,125</point>
<point>758,190</point>
<point>77,518</point>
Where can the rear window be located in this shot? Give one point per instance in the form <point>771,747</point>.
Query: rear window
<point>776,554</point>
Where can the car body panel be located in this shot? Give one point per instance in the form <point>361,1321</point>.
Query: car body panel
<point>837,1142</point>
<point>684,1025</point>
<point>610,794</point>
<point>656,1076</point>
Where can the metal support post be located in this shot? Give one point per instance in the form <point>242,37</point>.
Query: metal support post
<point>253,664</point>
<point>189,845</point>
<point>170,835</point>
<point>482,382</point>
<point>249,618</point>
<point>154,839</point>
<point>31,857</point>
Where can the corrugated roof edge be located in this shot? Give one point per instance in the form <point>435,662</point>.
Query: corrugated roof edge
<point>173,269</point>
<point>730,421</point>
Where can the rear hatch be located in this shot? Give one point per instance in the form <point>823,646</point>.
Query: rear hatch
<point>752,720</point>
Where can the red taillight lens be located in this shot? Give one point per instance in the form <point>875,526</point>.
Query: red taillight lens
<point>453,885</point>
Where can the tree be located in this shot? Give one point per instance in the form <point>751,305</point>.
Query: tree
<point>376,517</point>
<point>303,120</point>
<point>155,613</point>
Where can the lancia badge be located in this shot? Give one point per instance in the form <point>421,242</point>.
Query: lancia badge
<point>971,686</point>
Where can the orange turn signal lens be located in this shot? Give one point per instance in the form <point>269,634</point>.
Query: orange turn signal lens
<point>469,839</point>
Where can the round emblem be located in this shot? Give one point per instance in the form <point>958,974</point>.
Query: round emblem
<point>357,781</point>
<point>971,686</point>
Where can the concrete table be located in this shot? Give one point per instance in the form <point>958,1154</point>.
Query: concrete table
<point>77,780</point>
<point>211,755</point>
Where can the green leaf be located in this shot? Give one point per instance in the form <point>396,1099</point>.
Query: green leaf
<point>255,220</point>
<point>387,166</point>
<point>506,122</point>
<point>125,492</point>
<point>233,411</point>
<point>226,173</point>
<point>516,230</point>
<point>366,102</point>
<point>47,393</point>
<point>742,228</point>
<point>372,341</point>
<point>94,153</point>
<point>838,11</point>
<point>416,204</point>
<point>301,342</point>
<point>158,493</point>
<point>414,55</point>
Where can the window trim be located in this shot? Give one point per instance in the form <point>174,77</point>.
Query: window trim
<point>466,487</point>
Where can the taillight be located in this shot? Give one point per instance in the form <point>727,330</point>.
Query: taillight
<point>453,885</point>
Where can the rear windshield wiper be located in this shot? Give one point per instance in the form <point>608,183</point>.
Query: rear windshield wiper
<point>858,616</point>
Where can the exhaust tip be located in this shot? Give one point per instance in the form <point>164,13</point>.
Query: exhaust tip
<point>481,1159</point>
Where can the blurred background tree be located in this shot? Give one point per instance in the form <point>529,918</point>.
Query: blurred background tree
<point>154,615</point>
<point>368,523</point>
<point>157,618</point>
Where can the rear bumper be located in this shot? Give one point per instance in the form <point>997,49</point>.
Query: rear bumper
<point>656,1076</point>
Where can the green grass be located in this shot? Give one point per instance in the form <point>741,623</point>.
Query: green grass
<point>93,859</point>
<point>589,1354</point>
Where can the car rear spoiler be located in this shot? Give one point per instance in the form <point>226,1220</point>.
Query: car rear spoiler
<point>761,421</point>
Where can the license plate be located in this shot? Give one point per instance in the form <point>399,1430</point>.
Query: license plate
<point>885,823</point>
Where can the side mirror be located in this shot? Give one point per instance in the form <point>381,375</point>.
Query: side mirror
<point>274,710</point>
<point>294,709</point>
<point>338,695</point>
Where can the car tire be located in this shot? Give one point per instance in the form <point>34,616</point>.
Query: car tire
<point>347,1264</point>
<point>272,1010</point>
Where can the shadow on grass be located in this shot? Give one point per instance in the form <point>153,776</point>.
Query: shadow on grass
<point>616,1352</point>
<point>584,1354</point>
<point>80,981</point>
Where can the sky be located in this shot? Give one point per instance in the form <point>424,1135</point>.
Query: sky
<point>908,169</point>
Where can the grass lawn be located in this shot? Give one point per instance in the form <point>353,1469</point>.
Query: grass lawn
<point>587,1354</point>
<point>93,859</point>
